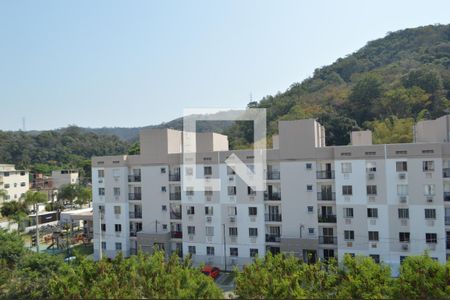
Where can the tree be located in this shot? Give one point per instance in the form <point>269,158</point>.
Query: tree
<point>3,194</point>
<point>362,278</point>
<point>15,211</point>
<point>392,130</point>
<point>363,96</point>
<point>421,277</point>
<point>67,192</point>
<point>403,103</point>
<point>84,195</point>
<point>11,248</point>
<point>32,198</point>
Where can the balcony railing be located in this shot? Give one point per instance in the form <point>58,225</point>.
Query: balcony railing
<point>175,196</point>
<point>327,196</point>
<point>174,177</point>
<point>134,196</point>
<point>176,234</point>
<point>136,214</point>
<point>447,220</point>
<point>446,172</point>
<point>327,218</point>
<point>328,240</point>
<point>134,232</point>
<point>273,175</point>
<point>175,215</point>
<point>325,174</point>
<point>276,196</point>
<point>273,217</point>
<point>273,238</point>
<point>134,178</point>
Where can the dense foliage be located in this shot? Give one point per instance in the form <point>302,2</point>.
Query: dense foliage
<point>404,76</point>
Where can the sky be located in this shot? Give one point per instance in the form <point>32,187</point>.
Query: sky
<point>136,63</point>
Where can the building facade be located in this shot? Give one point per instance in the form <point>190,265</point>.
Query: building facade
<point>384,201</point>
<point>14,182</point>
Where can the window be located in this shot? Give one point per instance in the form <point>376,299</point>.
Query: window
<point>401,152</point>
<point>308,167</point>
<point>6,174</point>
<point>209,230</point>
<point>103,227</point>
<point>164,226</point>
<point>6,185</point>
<point>428,189</point>
<point>403,237</point>
<point>309,187</point>
<point>371,190</point>
<point>209,210</point>
<point>430,213</point>
<point>210,251</point>
<point>349,235</point>
<point>22,173</point>
<point>191,249</point>
<point>252,211</point>
<point>403,213</point>
<point>207,171</point>
<point>402,189</point>
<point>118,227</point>
<point>311,231</point>
<point>103,245</point>
<point>191,210</point>
<point>401,166</point>
<point>346,154</point>
<point>429,151</point>
<point>348,212</point>
<point>118,246</point>
<point>232,210</point>
<point>428,165</point>
<point>101,173</point>
<point>231,190</point>
<point>233,231</point>
<point>373,236</point>
<point>346,167</point>
<point>370,153</point>
<point>101,209</point>
<point>253,252</point>
<point>191,230</point>
<point>189,191</point>
<point>164,207</point>
<point>431,238</point>
<point>163,189</point>
<point>372,212</point>
<point>23,184</point>
<point>117,209</point>
<point>375,257</point>
<point>371,166</point>
<point>253,232</point>
<point>116,191</point>
<point>251,191</point>
<point>234,252</point>
<point>347,190</point>
<point>163,170</point>
<point>310,209</point>
<point>101,191</point>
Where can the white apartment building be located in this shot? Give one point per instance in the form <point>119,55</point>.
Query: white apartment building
<point>384,201</point>
<point>14,182</point>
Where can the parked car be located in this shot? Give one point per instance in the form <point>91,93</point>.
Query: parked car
<point>213,272</point>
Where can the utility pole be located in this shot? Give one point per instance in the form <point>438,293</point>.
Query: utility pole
<point>224,248</point>
<point>37,226</point>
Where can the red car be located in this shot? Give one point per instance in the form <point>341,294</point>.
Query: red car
<point>213,272</point>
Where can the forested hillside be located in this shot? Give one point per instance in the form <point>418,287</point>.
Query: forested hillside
<point>386,86</point>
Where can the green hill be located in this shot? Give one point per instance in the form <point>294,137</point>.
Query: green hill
<point>385,86</point>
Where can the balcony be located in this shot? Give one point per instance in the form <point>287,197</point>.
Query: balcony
<point>135,215</point>
<point>325,174</point>
<point>275,196</point>
<point>273,175</point>
<point>273,217</point>
<point>273,238</point>
<point>327,218</point>
<point>134,178</point>
<point>446,172</point>
<point>176,234</point>
<point>134,196</point>
<point>447,220</point>
<point>326,196</point>
<point>134,232</point>
<point>175,196</point>
<point>328,240</point>
<point>175,215</point>
<point>446,196</point>
<point>174,177</point>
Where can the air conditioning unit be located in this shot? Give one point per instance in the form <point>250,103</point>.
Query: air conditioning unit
<point>347,198</point>
<point>348,221</point>
<point>371,176</point>
<point>402,199</point>
<point>432,246</point>
<point>374,245</point>
<point>371,199</point>
<point>430,222</point>
<point>429,199</point>
<point>232,198</point>
<point>253,240</point>
<point>373,222</point>
<point>190,198</point>
<point>209,238</point>
<point>230,178</point>
<point>349,244</point>
<point>346,176</point>
<point>100,181</point>
<point>232,219</point>
<point>210,261</point>
<point>402,176</point>
<point>252,219</point>
<point>190,217</point>
<point>209,219</point>
<point>117,198</point>
<point>404,222</point>
<point>208,198</point>
<point>233,262</point>
<point>233,239</point>
<point>191,237</point>
<point>252,198</point>
<point>405,247</point>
